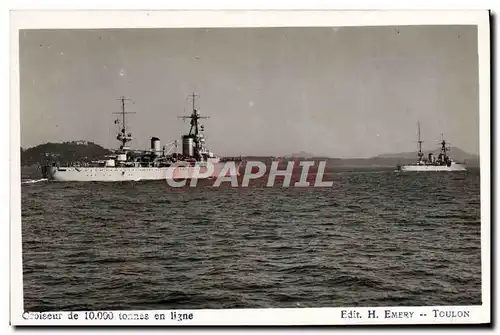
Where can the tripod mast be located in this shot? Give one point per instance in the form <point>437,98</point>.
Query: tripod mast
<point>123,136</point>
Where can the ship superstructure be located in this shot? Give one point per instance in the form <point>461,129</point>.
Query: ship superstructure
<point>443,162</point>
<point>155,163</point>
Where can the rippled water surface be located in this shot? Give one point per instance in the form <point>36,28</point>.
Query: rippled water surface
<point>375,238</point>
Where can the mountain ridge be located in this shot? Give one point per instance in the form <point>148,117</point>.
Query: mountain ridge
<point>455,153</point>
<point>66,152</point>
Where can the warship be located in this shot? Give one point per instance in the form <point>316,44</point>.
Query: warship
<point>155,163</point>
<point>442,162</point>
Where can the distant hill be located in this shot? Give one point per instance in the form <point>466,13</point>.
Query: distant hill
<point>300,154</point>
<point>385,160</point>
<point>456,154</point>
<point>62,152</point>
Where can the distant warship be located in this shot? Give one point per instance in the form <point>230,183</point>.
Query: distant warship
<point>153,164</point>
<point>430,163</point>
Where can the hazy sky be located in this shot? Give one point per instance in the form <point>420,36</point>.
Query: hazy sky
<point>340,92</point>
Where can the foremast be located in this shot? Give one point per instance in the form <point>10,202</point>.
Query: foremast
<point>123,136</point>
<point>420,154</point>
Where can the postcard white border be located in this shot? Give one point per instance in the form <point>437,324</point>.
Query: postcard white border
<point>183,19</point>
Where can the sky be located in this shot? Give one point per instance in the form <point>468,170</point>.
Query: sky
<point>346,92</point>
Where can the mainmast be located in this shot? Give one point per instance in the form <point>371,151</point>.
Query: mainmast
<point>420,153</point>
<point>193,96</point>
<point>444,149</point>
<point>123,136</point>
<point>196,130</point>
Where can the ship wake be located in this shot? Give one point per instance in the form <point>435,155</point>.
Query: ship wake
<point>33,181</point>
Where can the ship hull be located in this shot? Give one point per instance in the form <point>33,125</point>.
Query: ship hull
<point>117,174</point>
<point>433,168</point>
